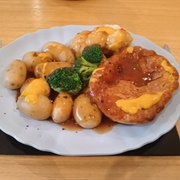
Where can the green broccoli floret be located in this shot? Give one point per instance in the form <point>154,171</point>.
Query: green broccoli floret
<point>93,54</point>
<point>84,68</point>
<point>72,80</point>
<point>88,62</point>
<point>65,79</point>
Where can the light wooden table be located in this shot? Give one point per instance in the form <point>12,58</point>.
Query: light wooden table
<point>89,168</point>
<point>156,20</point>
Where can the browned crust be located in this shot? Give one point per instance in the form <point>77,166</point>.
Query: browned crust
<point>106,89</point>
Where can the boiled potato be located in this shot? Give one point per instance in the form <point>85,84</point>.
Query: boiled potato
<point>62,107</point>
<point>59,51</point>
<point>15,74</point>
<point>31,59</point>
<point>40,110</point>
<point>25,84</point>
<point>35,87</point>
<point>86,114</point>
<point>44,69</point>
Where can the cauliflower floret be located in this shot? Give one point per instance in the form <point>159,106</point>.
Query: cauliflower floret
<point>118,40</point>
<point>97,37</point>
<point>78,43</point>
<point>111,38</point>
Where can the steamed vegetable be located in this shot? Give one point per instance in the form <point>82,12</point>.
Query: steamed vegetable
<point>65,79</point>
<point>72,80</point>
<point>93,54</point>
<point>88,62</point>
<point>84,68</point>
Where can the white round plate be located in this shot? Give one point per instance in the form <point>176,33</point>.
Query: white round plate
<point>48,136</point>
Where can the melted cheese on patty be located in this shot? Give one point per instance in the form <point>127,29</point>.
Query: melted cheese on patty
<point>145,101</point>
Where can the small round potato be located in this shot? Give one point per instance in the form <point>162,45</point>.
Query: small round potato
<point>59,51</point>
<point>25,84</point>
<point>35,87</point>
<point>62,107</point>
<point>86,114</point>
<point>44,69</point>
<point>40,110</point>
<point>31,59</point>
<point>15,74</point>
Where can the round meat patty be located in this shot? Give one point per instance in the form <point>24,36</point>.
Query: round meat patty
<point>134,85</point>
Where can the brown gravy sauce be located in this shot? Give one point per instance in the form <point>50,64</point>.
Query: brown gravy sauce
<point>71,125</point>
<point>105,126</point>
<point>129,67</point>
<point>125,66</point>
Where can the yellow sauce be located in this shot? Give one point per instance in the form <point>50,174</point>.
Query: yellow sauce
<point>169,69</point>
<point>95,79</point>
<point>108,30</point>
<point>166,67</point>
<point>44,55</point>
<point>116,40</point>
<point>171,78</point>
<point>145,101</point>
<point>36,87</point>
<point>130,49</point>
<point>44,69</point>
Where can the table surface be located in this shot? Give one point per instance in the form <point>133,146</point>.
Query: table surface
<point>156,20</point>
